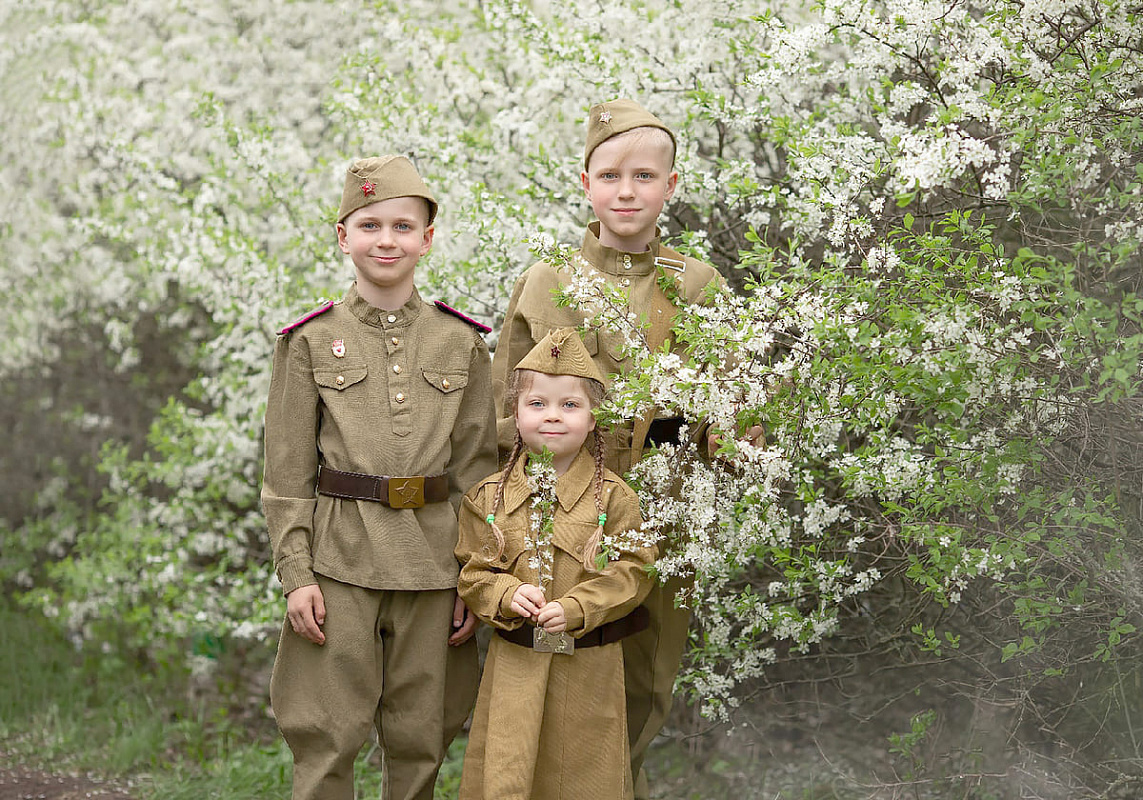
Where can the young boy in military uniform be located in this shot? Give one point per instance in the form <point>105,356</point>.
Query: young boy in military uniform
<point>628,177</point>
<point>379,417</point>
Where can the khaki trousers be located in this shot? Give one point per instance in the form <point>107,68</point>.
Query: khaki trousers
<point>651,661</point>
<point>385,664</point>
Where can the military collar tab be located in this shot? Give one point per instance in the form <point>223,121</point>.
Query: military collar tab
<point>671,263</point>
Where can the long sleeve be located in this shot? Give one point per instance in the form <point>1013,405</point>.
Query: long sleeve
<point>514,343</point>
<point>614,592</point>
<point>486,585</point>
<point>473,439</point>
<point>291,463</point>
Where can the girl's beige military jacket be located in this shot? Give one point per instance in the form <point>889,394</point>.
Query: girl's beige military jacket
<point>550,726</point>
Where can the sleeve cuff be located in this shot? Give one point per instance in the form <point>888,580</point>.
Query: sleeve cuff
<point>573,614</point>
<point>505,607</point>
<point>295,574</point>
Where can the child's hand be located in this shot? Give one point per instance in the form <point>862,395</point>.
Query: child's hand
<point>305,609</point>
<point>527,601</point>
<point>463,623</point>
<point>755,434</point>
<point>552,618</point>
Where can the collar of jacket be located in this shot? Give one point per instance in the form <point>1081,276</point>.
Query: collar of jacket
<point>379,317</point>
<point>569,487</point>
<point>618,262</point>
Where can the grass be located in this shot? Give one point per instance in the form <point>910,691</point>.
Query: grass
<point>60,711</point>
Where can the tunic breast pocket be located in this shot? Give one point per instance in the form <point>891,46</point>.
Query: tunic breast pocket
<point>339,379</point>
<point>446,381</point>
<point>514,559</point>
<point>570,537</point>
<point>604,343</point>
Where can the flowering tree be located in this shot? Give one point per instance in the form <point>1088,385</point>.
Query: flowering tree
<point>929,213</point>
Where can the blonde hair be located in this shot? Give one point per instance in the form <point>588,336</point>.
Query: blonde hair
<point>519,384</point>
<point>643,137</point>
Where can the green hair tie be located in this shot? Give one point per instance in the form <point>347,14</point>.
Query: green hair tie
<point>602,518</point>
<point>490,518</point>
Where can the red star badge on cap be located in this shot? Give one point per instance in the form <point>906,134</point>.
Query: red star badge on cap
<point>367,188</point>
<point>605,117</point>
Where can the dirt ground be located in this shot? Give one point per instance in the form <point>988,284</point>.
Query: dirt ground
<point>21,783</point>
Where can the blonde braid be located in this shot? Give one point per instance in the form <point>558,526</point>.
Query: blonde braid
<point>517,449</point>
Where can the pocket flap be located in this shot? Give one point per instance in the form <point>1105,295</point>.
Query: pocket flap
<point>342,378</point>
<point>570,537</point>
<point>446,380</point>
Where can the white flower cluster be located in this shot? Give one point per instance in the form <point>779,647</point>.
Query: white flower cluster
<point>542,486</point>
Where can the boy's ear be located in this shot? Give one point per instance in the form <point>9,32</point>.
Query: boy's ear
<point>585,181</point>
<point>672,182</point>
<point>342,241</point>
<point>427,242</point>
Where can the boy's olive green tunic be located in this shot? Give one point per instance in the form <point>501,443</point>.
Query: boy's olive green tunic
<point>651,657</point>
<point>395,402</point>
<point>550,726</point>
<point>532,313</point>
<point>387,393</point>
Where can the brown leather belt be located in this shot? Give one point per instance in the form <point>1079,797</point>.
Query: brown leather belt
<point>610,632</point>
<point>412,492</point>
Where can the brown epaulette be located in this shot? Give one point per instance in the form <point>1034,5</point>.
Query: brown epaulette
<point>304,318</point>
<point>463,317</point>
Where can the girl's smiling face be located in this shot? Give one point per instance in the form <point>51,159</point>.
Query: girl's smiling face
<point>554,411</point>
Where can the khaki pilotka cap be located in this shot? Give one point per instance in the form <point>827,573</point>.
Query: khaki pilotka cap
<point>562,352</point>
<point>618,116</point>
<point>371,180</point>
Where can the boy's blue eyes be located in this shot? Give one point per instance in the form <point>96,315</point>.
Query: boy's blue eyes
<point>401,226</point>
<point>640,176</point>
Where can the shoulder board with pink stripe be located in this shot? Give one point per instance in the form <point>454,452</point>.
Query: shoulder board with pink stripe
<point>449,310</point>
<point>304,318</point>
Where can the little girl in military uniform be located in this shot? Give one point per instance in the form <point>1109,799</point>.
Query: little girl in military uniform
<point>550,719</point>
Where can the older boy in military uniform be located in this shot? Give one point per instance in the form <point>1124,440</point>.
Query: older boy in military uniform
<point>379,418</point>
<point>628,177</point>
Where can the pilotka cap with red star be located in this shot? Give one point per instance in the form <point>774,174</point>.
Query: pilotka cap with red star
<point>562,352</point>
<point>371,180</point>
<point>615,117</point>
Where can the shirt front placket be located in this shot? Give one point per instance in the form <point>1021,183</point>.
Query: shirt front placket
<point>635,273</point>
<point>396,327</point>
